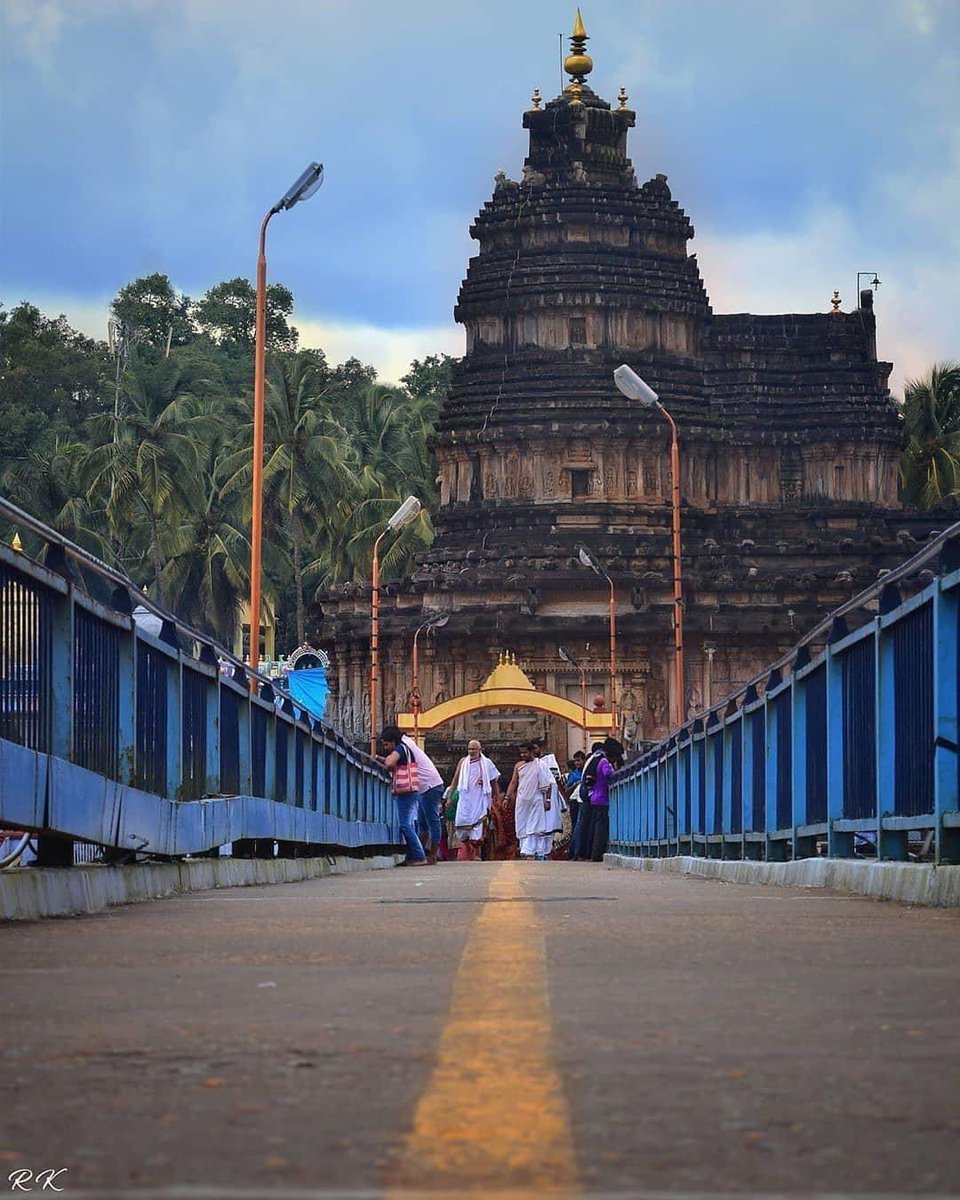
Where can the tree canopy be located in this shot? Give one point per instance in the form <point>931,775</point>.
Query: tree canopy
<point>140,448</point>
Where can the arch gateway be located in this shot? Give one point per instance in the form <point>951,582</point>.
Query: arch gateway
<point>506,687</point>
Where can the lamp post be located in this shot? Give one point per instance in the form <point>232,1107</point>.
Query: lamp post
<point>634,388</point>
<point>437,621</point>
<point>591,561</point>
<point>408,511</point>
<point>874,283</point>
<point>568,658</point>
<point>304,187</point>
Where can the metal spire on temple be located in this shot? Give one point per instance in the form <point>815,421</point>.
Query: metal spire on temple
<point>578,64</point>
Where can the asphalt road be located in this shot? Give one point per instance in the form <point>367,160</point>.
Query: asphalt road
<point>474,1029</point>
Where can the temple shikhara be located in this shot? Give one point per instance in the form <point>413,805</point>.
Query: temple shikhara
<point>789,443</point>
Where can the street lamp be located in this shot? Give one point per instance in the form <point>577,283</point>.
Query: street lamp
<point>874,283</point>
<point>304,187</point>
<point>634,388</point>
<point>568,658</point>
<point>589,560</point>
<point>436,621</point>
<point>408,511</point>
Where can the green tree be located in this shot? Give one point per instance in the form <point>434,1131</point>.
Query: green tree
<point>206,572</point>
<point>48,483</point>
<point>308,467</point>
<point>384,441</point>
<point>930,465</point>
<point>227,314</point>
<point>140,468</point>
<point>52,379</point>
<point>429,380</point>
<point>153,313</point>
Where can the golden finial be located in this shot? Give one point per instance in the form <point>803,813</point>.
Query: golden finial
<point>836,301</point>
<point>623,97</point>
<point>16,543</point>
<point>578,64</point>
<point>536,98</point>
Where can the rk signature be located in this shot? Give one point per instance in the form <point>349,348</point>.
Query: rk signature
<point>25,1180</point>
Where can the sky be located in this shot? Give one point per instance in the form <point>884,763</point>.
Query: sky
<point>807,141</point>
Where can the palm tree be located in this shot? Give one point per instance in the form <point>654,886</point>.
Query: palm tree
<point>930,464</point>
<point>206,571</point>
<point>308,468</point>
<point>147,453</point>
<point>48,483</point>
<point>386,430</point>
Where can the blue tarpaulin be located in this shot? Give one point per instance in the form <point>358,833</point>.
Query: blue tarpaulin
<point>309,688</point>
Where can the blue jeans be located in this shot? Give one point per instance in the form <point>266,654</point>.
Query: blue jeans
<point>429,809</point>
<point>407,816</point>
<point>582,845</point>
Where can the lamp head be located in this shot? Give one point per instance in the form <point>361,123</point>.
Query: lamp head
<point>408,511</point>
<point>587,559</point>
<point>304,187</point>
<point>634,388</point>
<point>438,621</point>
<point>566,655</point>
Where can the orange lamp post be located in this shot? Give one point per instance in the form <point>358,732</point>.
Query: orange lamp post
<point>437,621</point>
<point>634,388</point>
<point>408,511</point>
<point>304,187</point>
<point>568,658</point>
<point>590,560</point>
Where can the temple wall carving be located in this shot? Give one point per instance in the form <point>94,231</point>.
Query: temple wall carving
<point>541,472</point>
<point>588,326</point>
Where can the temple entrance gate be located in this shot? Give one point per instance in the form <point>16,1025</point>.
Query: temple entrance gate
<point>506,687</point>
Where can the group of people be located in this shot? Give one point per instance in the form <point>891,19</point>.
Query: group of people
<point>539,814</point>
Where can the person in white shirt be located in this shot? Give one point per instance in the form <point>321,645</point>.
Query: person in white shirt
<point>477,782</point>
<point>431,798</point>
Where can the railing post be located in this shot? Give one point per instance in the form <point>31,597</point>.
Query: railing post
<point>803,846</point>
<point>174,733</point>
<point>839,844</point>
<point>54,850</point>
<point>726,812</point>
<point>127,684</point>
<point>891,844</point>
<point>211,710</point>
<point>244,736</point>
<point>946,613</point>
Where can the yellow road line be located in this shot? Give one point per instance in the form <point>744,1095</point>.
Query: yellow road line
<point>494,1115</point>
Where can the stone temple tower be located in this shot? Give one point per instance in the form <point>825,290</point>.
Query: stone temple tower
<point>789,447</point>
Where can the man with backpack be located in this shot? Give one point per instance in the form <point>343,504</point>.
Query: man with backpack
<point>581,846</point>
<point>610,762</point>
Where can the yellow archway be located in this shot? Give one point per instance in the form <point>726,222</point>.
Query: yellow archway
<point>506,687</point>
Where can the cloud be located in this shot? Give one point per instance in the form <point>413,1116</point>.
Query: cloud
<point>795,269</point>
<point>390,350</point>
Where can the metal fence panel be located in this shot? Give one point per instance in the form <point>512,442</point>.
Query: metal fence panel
<point>912,638</point>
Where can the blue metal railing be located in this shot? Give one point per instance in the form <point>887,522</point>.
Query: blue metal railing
<point>112,735</point>
<point>849,741</point>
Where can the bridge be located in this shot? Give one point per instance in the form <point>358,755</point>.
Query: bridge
<point>485,1029</point>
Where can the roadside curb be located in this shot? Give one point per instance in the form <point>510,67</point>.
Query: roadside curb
<point>908,883</point>
<point>28,893</point>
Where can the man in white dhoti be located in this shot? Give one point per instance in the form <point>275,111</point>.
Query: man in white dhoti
<point>477,781</point>
<point>559,798</point>
<point>536,815</point>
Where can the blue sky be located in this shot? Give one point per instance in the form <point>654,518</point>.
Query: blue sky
<point>806,141</point>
